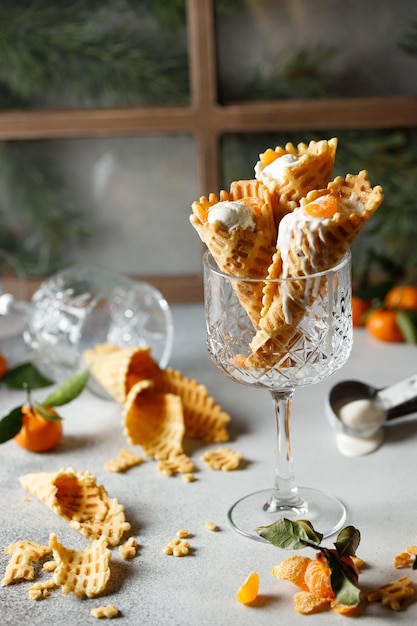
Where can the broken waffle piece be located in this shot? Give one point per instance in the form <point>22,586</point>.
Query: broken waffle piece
<point>79,500</point>
<point>393,593</point>
<point>124,461</point>
<point>83,573</point>
<point>178,464</point>
<point>177,547</point>
<point>128,549</point>
<point>108,611</point>
<point>224,459</point>
<point>41,589</point>
<point>154,420</point>
<point>23,554</point>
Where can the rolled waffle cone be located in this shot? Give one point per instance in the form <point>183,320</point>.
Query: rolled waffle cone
<point>310,250</point>
<point>77,499</point>
<point>240,251</point>
<point>312,170</point>
<point>83,573</point>
<point>203,418</point>
<point>116,369</point>
<point>154,420</point>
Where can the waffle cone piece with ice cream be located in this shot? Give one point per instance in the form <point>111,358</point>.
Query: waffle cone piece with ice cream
<point>313,238</point>
<point>238,228</point>
<point>290,173</point>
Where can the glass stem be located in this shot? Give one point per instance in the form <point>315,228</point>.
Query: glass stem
<point>285,495</point>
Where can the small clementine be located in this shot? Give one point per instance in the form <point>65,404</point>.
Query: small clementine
<point>382,324</point>
<point>402,297</point>
<point>3,365</point>
<point>37,433</point>
<point>359,308</point>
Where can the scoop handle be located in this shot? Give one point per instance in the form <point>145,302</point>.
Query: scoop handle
<point>398,394</point>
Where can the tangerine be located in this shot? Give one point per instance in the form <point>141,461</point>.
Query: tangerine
<point>317,578</point>
<point>402,297</point>
<point>359,308</point>
<point>3,365</point>
<point>382,324</point>
<point>37,433</point>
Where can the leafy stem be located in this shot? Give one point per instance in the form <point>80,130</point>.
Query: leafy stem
<point>288,535</point>
<point>27,377</point>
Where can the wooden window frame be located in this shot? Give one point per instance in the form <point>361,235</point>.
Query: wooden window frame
<point>207,120</point>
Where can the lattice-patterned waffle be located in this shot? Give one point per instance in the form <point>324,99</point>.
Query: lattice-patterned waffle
<point>83,573</point>
<point>23,554</point>
<point>240,251</point>
<point>313,244</point>
<point>79,500</point>
<point>203,418</point>
<point>117,369</point>
<point>310,167</point>
<point>154,420</point>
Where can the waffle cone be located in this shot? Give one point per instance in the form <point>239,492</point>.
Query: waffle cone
<point>154,420</point>
<point>203,418</point>
<point>77,499</point>
<point>241,251</point>
<point>313,170</point>
<point>310,251</point>
<point>117,369</point>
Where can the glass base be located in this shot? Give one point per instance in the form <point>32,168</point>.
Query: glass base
<point>325,512</point>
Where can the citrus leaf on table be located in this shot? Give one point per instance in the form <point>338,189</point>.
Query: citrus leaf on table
<point>69,389</point>
<point>11,424</point>
<point>347,541</point>
<point>290,535</point>
<point>407,323</point>
<point>25,376</point>
<point>345,588</point>
<point>47,415</point>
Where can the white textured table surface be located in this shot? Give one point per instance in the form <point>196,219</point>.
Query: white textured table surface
<point>379,491</point>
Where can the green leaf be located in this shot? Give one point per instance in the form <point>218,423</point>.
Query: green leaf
<point>347,541</point>
<point>25,376</point>
<point>69,389</point>
<point>290,535</point>
<point>11,425</point>
<point>47,415</point>
<point>342,580</point>
<point>407,323</point>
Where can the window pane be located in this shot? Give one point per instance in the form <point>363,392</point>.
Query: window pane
<point>122,203</point>
<point>111,53</point>
<point>336,48</point>
<point>389,156</point>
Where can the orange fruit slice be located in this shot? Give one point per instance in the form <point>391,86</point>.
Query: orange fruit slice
<point>249,590</point>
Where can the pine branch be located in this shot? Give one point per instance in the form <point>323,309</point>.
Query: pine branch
<point>49,46</point>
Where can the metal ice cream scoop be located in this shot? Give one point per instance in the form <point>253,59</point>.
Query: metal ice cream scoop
<point>360,410</point>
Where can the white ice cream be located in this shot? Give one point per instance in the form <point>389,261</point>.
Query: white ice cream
<point>362,414</point>
<point>231,215</point>
<point>276,170</point>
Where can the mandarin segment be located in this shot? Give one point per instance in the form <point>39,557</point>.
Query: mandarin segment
<point>308,603</point>
<point>293,569</point>
<point>249,590</point>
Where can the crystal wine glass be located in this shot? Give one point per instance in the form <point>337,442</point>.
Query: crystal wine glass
<point>320,344</point>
